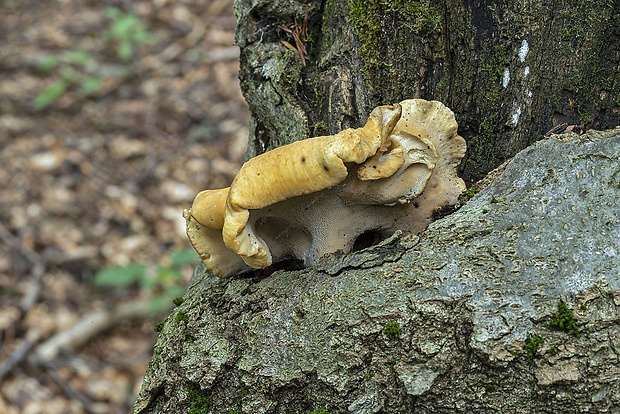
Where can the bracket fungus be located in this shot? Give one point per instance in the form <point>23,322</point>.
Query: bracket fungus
<point>318,195</point>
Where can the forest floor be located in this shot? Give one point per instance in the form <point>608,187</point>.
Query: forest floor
<point>113,115</point>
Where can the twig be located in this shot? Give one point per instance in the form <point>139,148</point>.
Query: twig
<point>300,36</point>
<point>38,269</point>
<point>87,328</point>
<point>28,253</point>
<point>34,287</point>
<point>557,129</point>
<point>70,392</point>
<point>18,354</point>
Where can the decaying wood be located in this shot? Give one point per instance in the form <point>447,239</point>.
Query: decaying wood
<point>511,304</point>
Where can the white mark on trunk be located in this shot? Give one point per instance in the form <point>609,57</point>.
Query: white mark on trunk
<point>506,78</point>
<point>515,117</point>
<point>525,48</point>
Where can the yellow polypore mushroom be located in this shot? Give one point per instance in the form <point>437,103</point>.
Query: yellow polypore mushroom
<point>299,168</point>
<point>204,223</point>
<point>300,201</point>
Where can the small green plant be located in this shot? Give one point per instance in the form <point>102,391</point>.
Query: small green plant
<point>181,317</point>
<point>564,321</point>
<point>126,30</point>
<point>553,351</point>
<point>235,412</point>
<point>162,281</point>
<point>532,346</point>
<point>81,69</point>
<point>74,67</point>
<point>159,326</point>
<point>392,330</point>
<point>471,192</point>
<point>200,402</point>
<point>320,411</point>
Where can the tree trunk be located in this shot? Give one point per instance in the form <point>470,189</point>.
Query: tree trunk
<point>511,304</point>
<point>509,70</point>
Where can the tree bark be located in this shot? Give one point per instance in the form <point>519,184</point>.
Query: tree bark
<point>510,71</point>
<point>511,304</point>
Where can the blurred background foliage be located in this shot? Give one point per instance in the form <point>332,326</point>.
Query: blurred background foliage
<point>75,67</point>
<point>113,115</point>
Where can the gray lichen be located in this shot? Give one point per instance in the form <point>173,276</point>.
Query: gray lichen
<point>467,295</point>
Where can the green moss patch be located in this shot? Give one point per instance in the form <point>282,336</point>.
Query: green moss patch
<point>392,330</point>
<point>532,346</point>
<point>564,321</point>
<point>181,317</point>
<point>200,401</point>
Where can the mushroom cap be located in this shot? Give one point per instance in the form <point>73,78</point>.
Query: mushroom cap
<point>435,121</point>
<point>422,144</point>
<point>302,167</point>
<point>300,200</point>
<point>208,208</point>
<point>210,247</point>
<point>383,164</point>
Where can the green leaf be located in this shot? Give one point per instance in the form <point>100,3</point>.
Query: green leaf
<point>79,57</point>
<point>184,257</point>
<point>150,283</point>
<point>91,85</point>
<point>143,36</point>
<point>124,25</point>
<point>48,63</point>
<point>50,94</point>
<point>125,50</point>
<point>68,73</point>
<point>119,276</point>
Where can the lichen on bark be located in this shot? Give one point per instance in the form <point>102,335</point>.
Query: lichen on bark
<point>468,296</point>
<point>472,292</point>
<point>509,70</point>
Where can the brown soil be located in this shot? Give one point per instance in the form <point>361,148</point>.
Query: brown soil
<point>100,179</point>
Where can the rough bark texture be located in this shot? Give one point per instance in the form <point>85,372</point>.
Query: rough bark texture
<point>509,70</point>
<point>510,304</point>
<point>476,315</point>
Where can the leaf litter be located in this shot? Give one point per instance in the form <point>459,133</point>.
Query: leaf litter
<point>98,177</point>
